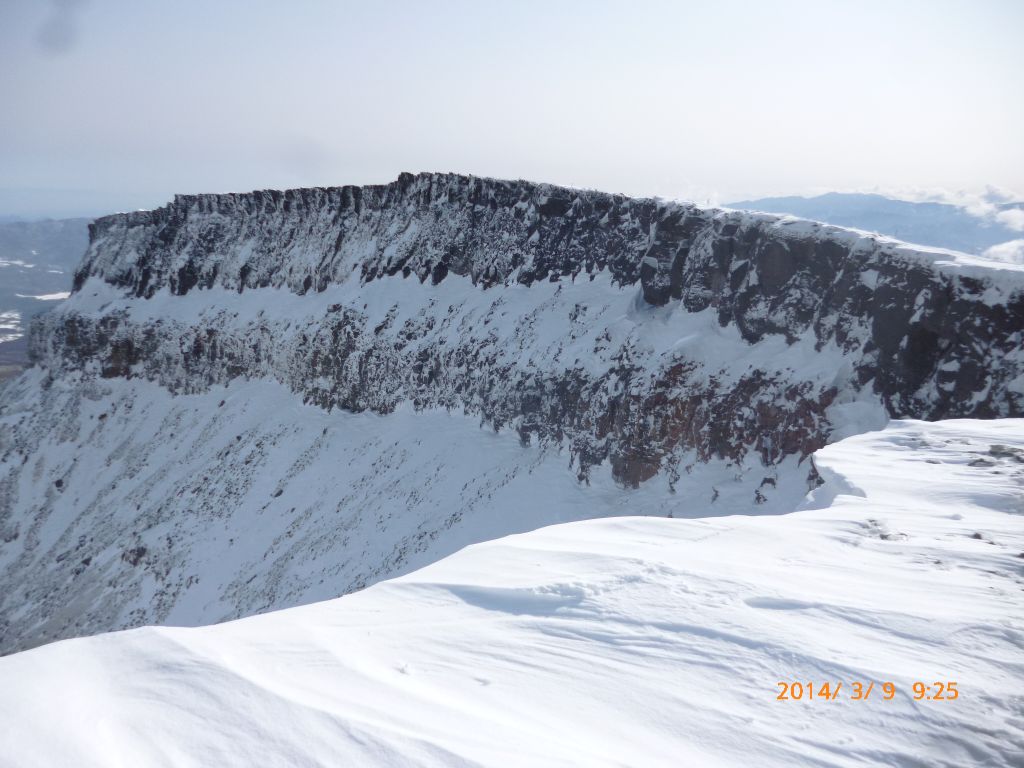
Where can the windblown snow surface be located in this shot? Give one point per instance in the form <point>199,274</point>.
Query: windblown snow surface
<point>622,641</point>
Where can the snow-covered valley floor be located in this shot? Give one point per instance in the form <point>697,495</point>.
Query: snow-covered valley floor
<point>624,641</point>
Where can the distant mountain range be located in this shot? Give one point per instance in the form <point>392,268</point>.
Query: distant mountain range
<point>37,259</point>
<point>936,224</point>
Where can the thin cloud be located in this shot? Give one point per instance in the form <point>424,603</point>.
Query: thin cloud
<point>1010,252</point>
<point>1012,218</point>
<point>998,205</point>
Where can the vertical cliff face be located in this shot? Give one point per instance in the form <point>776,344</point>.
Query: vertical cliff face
<point>930,338</point>
<point>698,355</point>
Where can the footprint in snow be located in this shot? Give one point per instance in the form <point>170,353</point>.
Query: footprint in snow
<point>538,601</point>
<point>779,604</point>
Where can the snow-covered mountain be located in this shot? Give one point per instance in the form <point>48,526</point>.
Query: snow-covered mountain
<point>621,642</point>
<point>941,225</point>
<point>253,401</point>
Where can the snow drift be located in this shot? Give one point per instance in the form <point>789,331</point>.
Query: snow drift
<point>629,641</point>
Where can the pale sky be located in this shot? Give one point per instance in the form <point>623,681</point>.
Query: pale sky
<point>118,104</point>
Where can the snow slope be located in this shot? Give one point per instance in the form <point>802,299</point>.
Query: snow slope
<point>194,509</point>
<point>627,641</point>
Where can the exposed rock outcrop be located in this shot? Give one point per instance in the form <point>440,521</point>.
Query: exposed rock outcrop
<point>186,449</point>
<point>930,342</point>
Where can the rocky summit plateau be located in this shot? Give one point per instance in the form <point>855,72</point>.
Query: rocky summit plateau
<point>256,401</point>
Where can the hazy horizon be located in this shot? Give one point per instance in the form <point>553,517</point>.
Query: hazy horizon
<point>675,100</point>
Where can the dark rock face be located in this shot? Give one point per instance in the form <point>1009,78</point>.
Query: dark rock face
<point>705,353</point>
<point>929,342</point>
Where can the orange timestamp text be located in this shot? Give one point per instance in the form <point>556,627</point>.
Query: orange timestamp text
<point>862,691</point>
